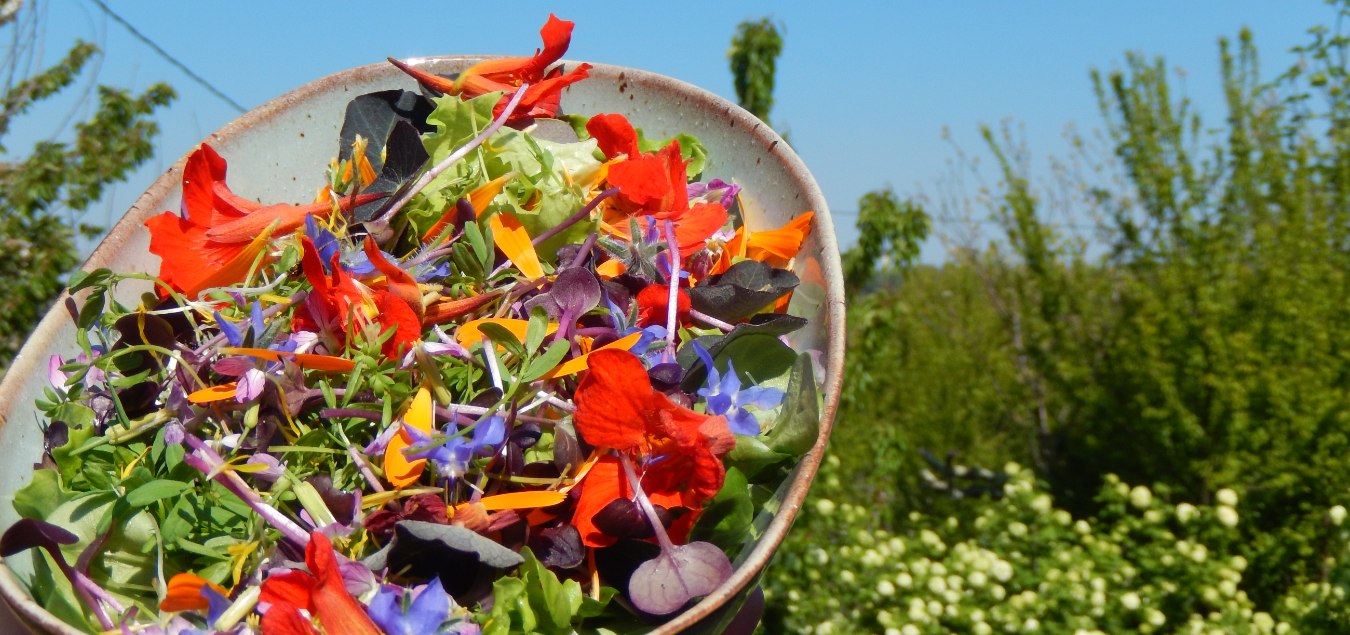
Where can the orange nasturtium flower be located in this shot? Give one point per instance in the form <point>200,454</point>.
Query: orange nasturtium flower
<point>223,233</point>
<point>773,247</point>
<point>676,451</point>
<point>653,184</point>
<point>506,74</point>
<point>320,590</point>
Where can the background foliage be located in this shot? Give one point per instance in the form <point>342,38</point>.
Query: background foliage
<point>1183,334</point>
<point>44,190</point>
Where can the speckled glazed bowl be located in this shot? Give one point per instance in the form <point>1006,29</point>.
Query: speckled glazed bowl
<point>276,153</point>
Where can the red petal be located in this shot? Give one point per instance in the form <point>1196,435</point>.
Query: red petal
<point>426,79</point>
<point>336,609</point>
<point>696,226</point>
<point>603,484</point>
<point>285,619</point>
<point>294,588</point>
<point>642,184</point>
<point>654,305</point>
<point>400,282</point>
<point>396,314</point>
<point>614,134</point>
<point>612,400</point>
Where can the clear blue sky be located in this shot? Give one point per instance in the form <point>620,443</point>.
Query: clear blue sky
<point>865,90</point>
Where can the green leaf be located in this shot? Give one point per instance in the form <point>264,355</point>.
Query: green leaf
<point>536,331</point>
<point>155,491</point>
<point>40,495</point>
<point>85,279</point>
<point>546,362</point>
<point>798,422</point>
<point>503,338</point>
<point>751,455</point>
<point>726,519</point>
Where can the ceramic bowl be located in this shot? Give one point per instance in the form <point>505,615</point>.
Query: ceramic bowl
<point>277,151</point>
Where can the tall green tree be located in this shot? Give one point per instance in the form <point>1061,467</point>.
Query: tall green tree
<point>754,64</point>
<point>55,181</point>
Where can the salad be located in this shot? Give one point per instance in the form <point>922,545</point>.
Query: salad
<point>486,381</point>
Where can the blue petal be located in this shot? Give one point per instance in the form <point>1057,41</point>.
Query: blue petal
<point>230,330</point>
<point>761,396</point>
<point>706,358</point>
<point>430,608</point>
<point>256,320</point>
<point>719,404</point>
<point>385,611</point>
<point>742,422</point>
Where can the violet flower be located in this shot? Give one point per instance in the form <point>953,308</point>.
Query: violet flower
<point>452,456</point>
<point>726,397</point>
<point>427,613</point>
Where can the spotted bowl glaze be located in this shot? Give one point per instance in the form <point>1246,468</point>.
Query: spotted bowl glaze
<point>278,151</point>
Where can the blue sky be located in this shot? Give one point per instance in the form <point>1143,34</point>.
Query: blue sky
<point>865,90</point>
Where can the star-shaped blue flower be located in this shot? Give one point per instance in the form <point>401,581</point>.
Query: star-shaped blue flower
<point>725,396</point>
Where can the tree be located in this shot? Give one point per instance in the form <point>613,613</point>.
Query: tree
<point>37,245</point>
<point>754,58</point>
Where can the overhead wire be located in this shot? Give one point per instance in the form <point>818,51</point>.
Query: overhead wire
<point>167,57</point>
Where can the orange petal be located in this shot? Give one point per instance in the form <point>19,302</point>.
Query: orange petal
<point>398,470</point>
<point>610,268</point>
<point>511,237</point>
<point>479,198</point>
<point>777,246</point>
<point>468,334</point>
<point>212,394</point>
<point>434,81</point>
<point>522,500</point>
<point>579,363</point>
<point>185,593</point>
<point>309,361</point>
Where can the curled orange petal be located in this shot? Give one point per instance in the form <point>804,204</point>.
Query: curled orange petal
<point>185,593</point>
<point>308,361</point>
<point>213,394</point>
<point>479,198</point>
<point>511,237</point>
<point>398,470</point>
<point>579,363</point>
<point>522,500</point>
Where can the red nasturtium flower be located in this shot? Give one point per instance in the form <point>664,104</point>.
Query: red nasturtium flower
<point>544,93</point>
<point>676,451</point>
<point>223,233</point>
<point>654,305</point>
<point>338,302</point>
<point>320,590</point>
<point>652,184</point>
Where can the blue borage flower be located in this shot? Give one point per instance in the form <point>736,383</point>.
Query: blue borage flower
<point>725,396</point>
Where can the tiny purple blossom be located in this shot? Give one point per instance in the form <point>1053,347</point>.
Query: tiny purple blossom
<point>725,396</point>
<point>426,613</point>
<point>452,455</point>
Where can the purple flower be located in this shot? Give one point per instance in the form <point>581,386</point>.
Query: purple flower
<point>427,613</point>
<point>452,456</point>
<point>726,397</point>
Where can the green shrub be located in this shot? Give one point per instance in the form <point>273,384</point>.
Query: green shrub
<point>1019,564</point>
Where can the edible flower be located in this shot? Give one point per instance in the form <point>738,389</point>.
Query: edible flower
<point>221,234</point>
<point>677,450</point>
<point>425,614</point>
<point>320,591</point>
<point>506,75</point>
<point>726,397</point>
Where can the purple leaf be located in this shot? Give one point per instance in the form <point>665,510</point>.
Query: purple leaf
<point>28,534</point>
<point>667,582</point>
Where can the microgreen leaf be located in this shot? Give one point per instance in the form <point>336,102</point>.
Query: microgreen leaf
<point>540,366</point>
<point>667,582</point>
<point>746,288</point>
<point>155,491</point>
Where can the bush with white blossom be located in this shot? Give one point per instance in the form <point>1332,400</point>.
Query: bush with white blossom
<point>1019,565</point>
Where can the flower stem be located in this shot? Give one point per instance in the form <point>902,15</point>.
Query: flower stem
<point>667,546</point>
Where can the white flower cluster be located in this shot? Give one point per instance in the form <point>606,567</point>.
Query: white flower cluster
<point>1019,565</point>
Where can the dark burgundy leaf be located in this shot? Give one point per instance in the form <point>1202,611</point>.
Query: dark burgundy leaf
<point>341,504</point>
<point>29,534</point>
<point>465,561</point>
<point>623,518</point>
<point>558,547</point>
<point>665,376</point>
<point>617,563</point>
<point>140,399</point>
<point>525,435</point>
<point>375,115</point>
<point>566,450</point>
<point>744,289</point>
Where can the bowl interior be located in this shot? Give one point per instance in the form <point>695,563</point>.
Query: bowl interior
<point>278,152</point>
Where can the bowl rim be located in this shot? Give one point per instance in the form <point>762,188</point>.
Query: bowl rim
<point>26,609</point>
